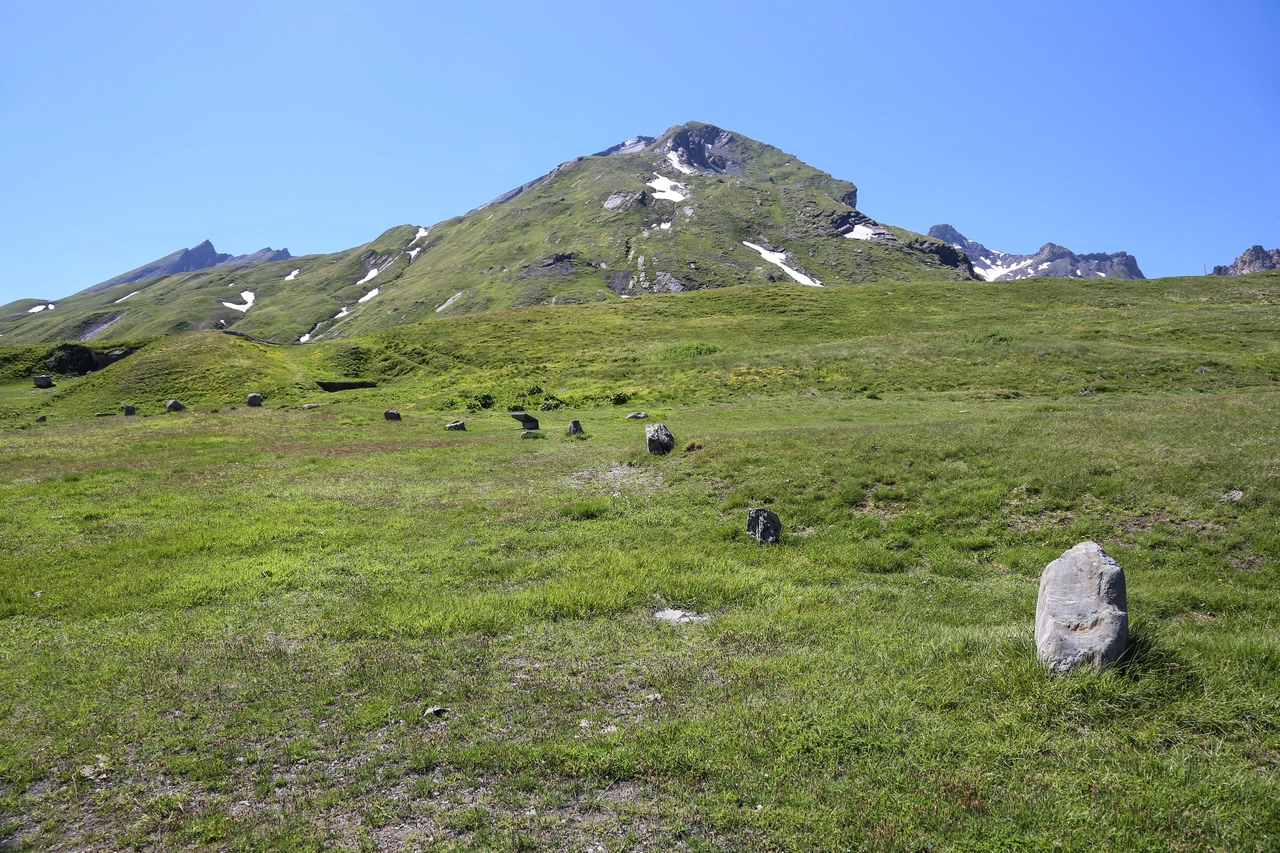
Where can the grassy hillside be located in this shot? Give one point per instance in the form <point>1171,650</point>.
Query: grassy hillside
<point>595,229</point>
<point>307,629</point>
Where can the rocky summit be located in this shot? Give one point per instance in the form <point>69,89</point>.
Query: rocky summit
<point>1051,261</point>
<point>695,208</point>
<point>1254,259</point>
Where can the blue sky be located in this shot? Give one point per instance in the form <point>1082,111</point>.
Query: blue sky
<point>129,130</point>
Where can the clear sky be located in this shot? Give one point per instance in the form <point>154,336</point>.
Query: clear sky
<point>132,129</point>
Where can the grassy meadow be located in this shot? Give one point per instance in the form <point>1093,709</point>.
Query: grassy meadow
<point>301,628</point>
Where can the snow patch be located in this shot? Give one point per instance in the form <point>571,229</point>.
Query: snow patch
<point>36,309</point>
<point>248,297</point>
<point>368,276</point>
<point>369,295</point>
<point>1104,275</point>
<point>666,188</point>
<point>1044,266</point>
<point>995,271</point>
<point>861,232</point>
<point>666,226</point>
<point>777,258</point>
<point>344,312</point>
<point>674,158</point>
<point>449,301</point>
<point>123,298</point>
<point>413,254</point>
<point>291,276</point>
<point>422,232</point>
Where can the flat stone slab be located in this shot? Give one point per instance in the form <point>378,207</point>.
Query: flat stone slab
<point>173,406</point>
<point>1082,612</point>
<point>636,416</point>
<point>456,425</point>
<point>527,421</point>
<point>659,439</point>
<point>43,381</point>
<point>764,525</point>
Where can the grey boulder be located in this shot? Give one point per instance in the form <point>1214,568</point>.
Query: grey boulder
<point>391,415</point>
<point>659,439</point>
<point>173,406</point>
<point>458,425</point>
<point>636,416</point>
<point>575,427</point>
<point>254,400</point>
<point>43,381</point>
<point>764,525</point>
<point>1082,613</point>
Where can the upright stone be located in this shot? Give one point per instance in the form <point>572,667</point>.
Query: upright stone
<point>173,406</point>
<point>764,525</point>
<point>391,415</point>
<point>1082,613</point>
<point>659,439</point>
<point>254,400</point>
<point>43,381</point>
<point>129,410</point>
<point>526,421</point>
<point>458,425</point>
<point>575,427</point>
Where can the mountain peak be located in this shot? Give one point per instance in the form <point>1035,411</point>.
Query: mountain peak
<point>1051,261</point>
<point>1253,259</point>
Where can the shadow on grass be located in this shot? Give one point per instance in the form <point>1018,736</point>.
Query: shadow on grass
<point>1146,657</point>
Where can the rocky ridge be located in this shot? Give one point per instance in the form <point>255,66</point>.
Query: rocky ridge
<point>1051,261</point>
<point>1253,259</point>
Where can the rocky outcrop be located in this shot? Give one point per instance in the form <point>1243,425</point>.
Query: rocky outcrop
<point>1082,612</point>
<point>659,439</point>
<point>1051,261</point>
<point>198,257</point>
<point>704,148</point>
<point>631,146</point>
<point>1254,259</point>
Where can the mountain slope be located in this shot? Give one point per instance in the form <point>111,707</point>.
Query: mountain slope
<point>1253,259</point>
<point>1052,261</point>
<point>198,257</point>
<point>699,207</point>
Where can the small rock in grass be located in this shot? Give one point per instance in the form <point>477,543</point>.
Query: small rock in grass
<point>1082,613</point>
<point>173,406</point>
<point>575,427</point>
<point>456,425</point>
<point>764,525</point>
<point>659,439</point>
<point>1233,496</point>
<point>104,414</point>
<point>129,410</point>
<point>391,414</point>
<point>527,421</point>
<point>41,419</point>
<point>676,616</point>
<point>254,400</point>
<point>310,405</point>
<point>636,416</point>
<point>43,381</point>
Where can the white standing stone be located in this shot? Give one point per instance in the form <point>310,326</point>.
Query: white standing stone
<point>1082,613</point>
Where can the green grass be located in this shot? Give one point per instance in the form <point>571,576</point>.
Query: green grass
<point>315,629</point>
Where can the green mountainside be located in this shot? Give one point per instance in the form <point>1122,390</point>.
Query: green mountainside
<point>668,216</point>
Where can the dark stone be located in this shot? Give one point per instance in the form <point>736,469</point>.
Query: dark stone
<point>43,381</point>
<point>41,419</point>
<point>129,411</point>
<point>346,384</point>
<point>659,439</point>
<point>173,406</point>
<point>104,414</point>
<point>526,421</point>
<point>456,425</point>
<point>254,400</point>
<point>1082,612</point>
<point>636,416</point>
<point>391,415</point>
<point>575,427</point>
<point>764,525</point>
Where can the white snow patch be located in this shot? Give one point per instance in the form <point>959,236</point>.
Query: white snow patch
<point>413,253</point>
<point>1104,275</point>
<point>344,312</point>
<point>368,296</point>
<point>675,161</point>
<point>666,226</point>
<point>1044,266</point>
<point>776,258</point>
<point>52,306</point>
<point>449,301</point>
<point>995,271</point>
<point>666,188</point>
<point>676,616</point>
<point>123,298</point>
<point>248,297</point>
<point>861,232</point>
<point>291,276</point>
<point>422,232</point>
<point>36,309</point>
<point>368,276</point>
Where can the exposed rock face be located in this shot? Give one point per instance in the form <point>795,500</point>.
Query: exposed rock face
<point>527,421</point>
<point>1052,261</point>
<point>705,148</point>
<point>623,200</point>
<point>173,406</point>
<point>198,257</point>
<point>1082,613</point>
<point>659,439</point>
<point>764,525</point>
<point>631,146</point>
<point>556,264</point>
<point>43,381</point>
<point>254,400</point>
<point>456,425</point>
<point>575,427</point>
<point>1254,259</point>
<point>391,414</point>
